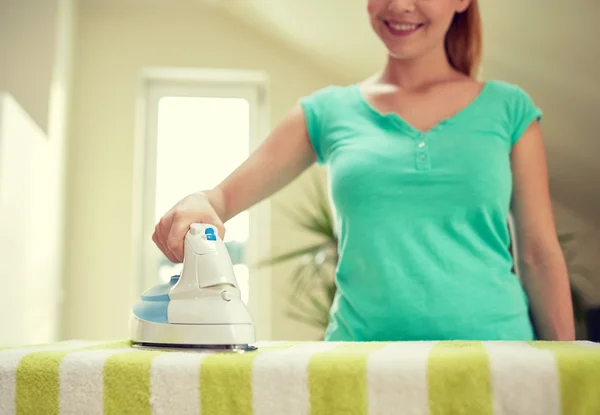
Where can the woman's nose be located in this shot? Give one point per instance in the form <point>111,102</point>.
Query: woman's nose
<point>402,6</point>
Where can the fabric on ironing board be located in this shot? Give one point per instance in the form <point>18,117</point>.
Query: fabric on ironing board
<point>38,380</point>
<point>305,378</point>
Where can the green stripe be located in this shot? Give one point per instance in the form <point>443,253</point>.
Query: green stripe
<point>226,381</point>
<point>37,379</point>
<point>579,371</point>
<point>459,379</point>
<point>127,382</point>
<point>337,379</point>
<point>38,382</point>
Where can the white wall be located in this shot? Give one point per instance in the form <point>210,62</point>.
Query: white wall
<point>36,39</point>
<point>27,46</point>
<point>28,298</point>
<point>114,43</point>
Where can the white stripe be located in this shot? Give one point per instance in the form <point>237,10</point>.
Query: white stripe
<point>525,379</point>
<point>588,344</point>
<point>9,361</point>
<point>280,379</point>
<point>175,383</point>
<point>397,379</point>
<point>81,381</point>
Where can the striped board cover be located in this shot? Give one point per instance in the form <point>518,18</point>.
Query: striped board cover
<point>304,378</point>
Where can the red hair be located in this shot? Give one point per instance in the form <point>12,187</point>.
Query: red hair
<point>464,41</point>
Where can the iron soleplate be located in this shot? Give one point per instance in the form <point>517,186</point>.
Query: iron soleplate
<point>223,348</point>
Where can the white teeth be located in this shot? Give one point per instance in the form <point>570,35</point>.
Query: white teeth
<point>401,26</point>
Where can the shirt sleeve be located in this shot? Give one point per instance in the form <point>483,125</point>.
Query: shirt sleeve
<point>315,112</point>
<point>524,113</point>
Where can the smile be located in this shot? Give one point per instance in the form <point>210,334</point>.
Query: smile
<point>402,28</point>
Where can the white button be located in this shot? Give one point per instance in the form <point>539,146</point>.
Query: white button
<point>226,295</point>
<point>421,144</point>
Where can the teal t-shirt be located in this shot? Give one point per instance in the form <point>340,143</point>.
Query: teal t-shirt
<point>422,217</point>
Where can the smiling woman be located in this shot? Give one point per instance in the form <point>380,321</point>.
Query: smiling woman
<point>456,25</point>
<point>425,165</point>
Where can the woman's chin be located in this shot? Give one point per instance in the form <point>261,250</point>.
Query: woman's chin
<point>402,54</point>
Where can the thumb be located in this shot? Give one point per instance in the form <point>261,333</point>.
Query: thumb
<point>216,222</point>
<point>220,228</point>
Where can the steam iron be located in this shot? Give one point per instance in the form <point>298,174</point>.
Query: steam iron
<point>202,308</point>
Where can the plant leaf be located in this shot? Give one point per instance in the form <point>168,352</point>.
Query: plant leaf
<point>318,305</point>
<point>566,238</point>
<point>300,304</point>
<point>315,322</point>
<point>301,279</point>
<point>312,302</point>
<point>579,309</point>
<point>569,256</point>
<point>290,255</point>
<point>582,271</point>
<point>312,287</point>
<point>304,303</point>
<point>309,221</point>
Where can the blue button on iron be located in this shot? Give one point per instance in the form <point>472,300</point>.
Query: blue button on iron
<point>210,234</point>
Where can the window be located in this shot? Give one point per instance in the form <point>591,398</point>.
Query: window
<point>198,129</point>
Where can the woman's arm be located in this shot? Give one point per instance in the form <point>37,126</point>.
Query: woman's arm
<point>540,259</point>
<point>282,157</point>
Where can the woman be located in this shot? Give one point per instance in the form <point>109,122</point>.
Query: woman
<point>425,163</point>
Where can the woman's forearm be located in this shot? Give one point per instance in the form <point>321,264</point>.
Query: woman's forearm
<point>547,285</point>
<point>217,200</point>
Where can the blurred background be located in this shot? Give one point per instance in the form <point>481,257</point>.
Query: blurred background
<point>113,110</point>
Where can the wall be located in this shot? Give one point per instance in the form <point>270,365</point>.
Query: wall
<point>28,296</point>
<point>27,46</point>
<point>36,40</point>
<point>114,43</point>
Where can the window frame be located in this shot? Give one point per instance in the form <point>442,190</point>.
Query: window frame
<point>154,83</point>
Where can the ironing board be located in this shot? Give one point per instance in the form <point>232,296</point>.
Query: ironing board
<point>302,378</point>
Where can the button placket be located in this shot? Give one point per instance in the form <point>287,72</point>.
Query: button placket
<point>422,152</point>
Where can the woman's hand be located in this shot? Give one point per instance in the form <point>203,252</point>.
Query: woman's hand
<point>169,233</point>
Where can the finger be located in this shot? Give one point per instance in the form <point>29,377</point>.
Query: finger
<point>175,239</point>
<point>158,241</point>
<point>220,228</point>
<point>163,232</point>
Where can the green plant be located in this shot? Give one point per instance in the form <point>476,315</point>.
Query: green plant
<point>569,243</point>
<point>313,287</point>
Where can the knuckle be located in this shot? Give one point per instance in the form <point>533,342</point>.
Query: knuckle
<point>172,244</point>
<point>204,216</point>
<point>178,214</point>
